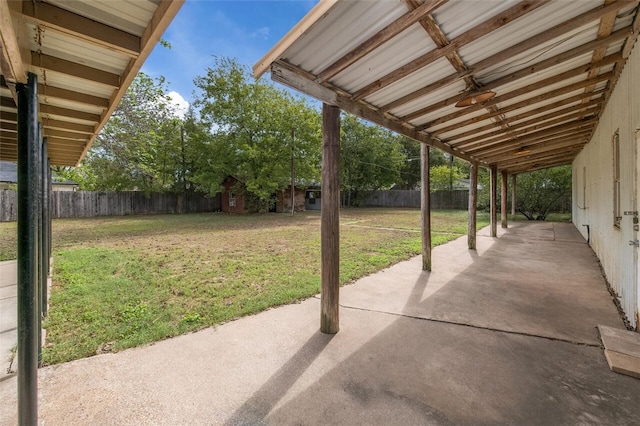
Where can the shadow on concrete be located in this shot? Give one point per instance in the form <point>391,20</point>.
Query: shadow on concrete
<point>256,408</point>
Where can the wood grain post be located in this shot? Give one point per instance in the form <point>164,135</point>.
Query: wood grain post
<point>425,207</point>
<point>330,225</point>
<point>473,205</point>
<point>514,198</point>
<point>503,199</point>
<point>493,185</point>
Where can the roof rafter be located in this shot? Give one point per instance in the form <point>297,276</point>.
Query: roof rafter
<point>384,35</point>
<point>58,19</point>
<point>475,33</point>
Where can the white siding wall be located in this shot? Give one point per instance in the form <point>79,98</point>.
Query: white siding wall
<point>595,208</point>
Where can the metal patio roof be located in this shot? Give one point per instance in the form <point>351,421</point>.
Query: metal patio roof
<point>403,64</point>
<point>85,53</point>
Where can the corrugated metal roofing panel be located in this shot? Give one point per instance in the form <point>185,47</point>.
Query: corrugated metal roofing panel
<point>404,48</point>
<point>131,16</point>
<point>60,45</point>
<point>351,23</point>
<point>427,75</point>
<point>457,17</point>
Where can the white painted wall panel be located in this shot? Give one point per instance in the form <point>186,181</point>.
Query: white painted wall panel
<point>595,207</point>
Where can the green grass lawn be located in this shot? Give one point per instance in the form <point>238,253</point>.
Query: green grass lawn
<point>126,281</point>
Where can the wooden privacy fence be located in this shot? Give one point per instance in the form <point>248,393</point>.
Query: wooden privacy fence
<point>452,200</point>
<point>67,204</point>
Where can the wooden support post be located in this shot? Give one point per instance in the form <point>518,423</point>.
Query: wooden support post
<point>503,200</point>
<point>28,322</point>
<point>473,205</point>
<point>330,224</point>
<point>493,184</point>
<point>514,198</point>
<point>425,207</point>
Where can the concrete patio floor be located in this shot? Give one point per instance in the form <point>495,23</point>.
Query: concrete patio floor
<point>506,335</point>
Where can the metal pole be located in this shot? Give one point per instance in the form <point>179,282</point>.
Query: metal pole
<point>38,240</point>
<point>293,173</point>
<point>27,268</point>
<point>44,229</point>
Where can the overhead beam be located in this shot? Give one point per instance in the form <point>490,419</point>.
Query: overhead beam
<point>525,103</point>
<point>70,95</point>
<point>517,93</point>
<point>569,141</point>
<point>51,123</point>
<point>71,113</point>
<point>51,63</point>
<point>459,138</point>
<point>61,20</point>
<point>14,57</point>
<point>517,75</point>
<point>383,36</point>
<point>292,77</point>
<point>473,34</point>
<point>534,124</point>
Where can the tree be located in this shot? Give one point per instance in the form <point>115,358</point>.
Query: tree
<point>539,192</point>
<point>136,149</point>
<point>370,158</point>
<point>250,124</point>
<point>444,178</point>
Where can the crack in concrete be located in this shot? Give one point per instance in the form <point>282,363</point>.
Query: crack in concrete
<point>497,330</point>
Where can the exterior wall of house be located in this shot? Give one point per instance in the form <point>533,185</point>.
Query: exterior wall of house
<point>593,188</point>
<point>235,204</point>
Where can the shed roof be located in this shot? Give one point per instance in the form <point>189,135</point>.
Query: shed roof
<point>85,53</point>
<point>9,174</point>
<point>404,64</point>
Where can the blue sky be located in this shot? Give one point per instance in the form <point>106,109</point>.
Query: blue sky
<point>243,29</point>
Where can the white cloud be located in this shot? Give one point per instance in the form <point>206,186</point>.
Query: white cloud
<point>261,33</point>
<point>179,103</point>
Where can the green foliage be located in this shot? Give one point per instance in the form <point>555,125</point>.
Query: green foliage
<point>138,147</point>
<point>254,130</point>
<point>444,178</point>
<point>539,192</point>
<point>370,158</point>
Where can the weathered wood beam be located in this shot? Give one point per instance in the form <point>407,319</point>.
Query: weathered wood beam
<point>70,95</point>
<point>536,157</point>
<point>473,206</point>
<point>61,20</point>
<point>303,82</point>
<point>493,182</point>
<point>51,63</point>
<point>383,36</point>
<point>14,56</point>
<point>542,162</point>
<point>524,104</point>
<point>425,207</point>
<point>534,167</point>
<point>517,75</point>
<point>503,199</point>
<point>604,30</point>
<point>517,93</point>
<point>473,34</point>
<point>460,138</point>
<point>71,113</point>
<point>569,128</point>
<point>565,141</point>
<point>330,225</point>
<point>50,123</point>
<point>534,124</point>
<point>8,117</point>
<point>55,133</point>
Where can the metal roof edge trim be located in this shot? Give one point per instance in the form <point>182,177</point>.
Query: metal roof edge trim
<point>310,19</point>
<point>161,19</point>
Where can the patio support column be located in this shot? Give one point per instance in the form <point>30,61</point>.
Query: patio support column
<point>473,205</point>
<point>503,200</point>
<point>330,220</point>
<point>493,184</point>
<point>425,207</point>
<point>27,251</point>
<point>44,229</point>
<point>513,196</point>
